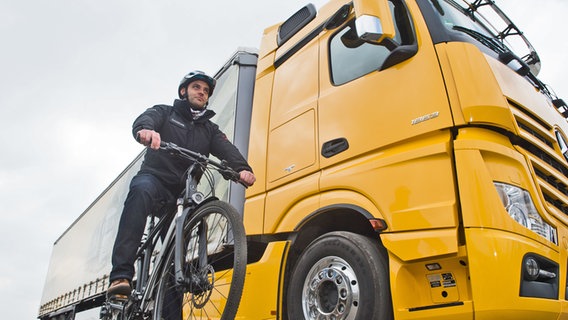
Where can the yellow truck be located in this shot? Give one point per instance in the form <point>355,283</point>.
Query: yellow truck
<point>409,163</point>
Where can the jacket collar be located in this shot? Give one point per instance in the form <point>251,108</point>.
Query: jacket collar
<point>183,108</point>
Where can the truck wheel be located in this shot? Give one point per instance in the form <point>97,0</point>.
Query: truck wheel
<point>341,275</point>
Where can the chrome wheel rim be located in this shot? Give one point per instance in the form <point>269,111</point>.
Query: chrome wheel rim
<point>331,291</point>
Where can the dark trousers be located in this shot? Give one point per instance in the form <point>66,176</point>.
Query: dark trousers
<point>147,194</point>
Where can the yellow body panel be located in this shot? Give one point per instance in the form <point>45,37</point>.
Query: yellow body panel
<point>292,140</point>
<point>279,208</point>
<point>417,288</point>
<point>496,291</point>
<point>261,274</point>
<point>409,246</point>
<point>287,137</point>
<point>259,132</point>
<point>254,207</point>
<point>410,183</point>
<point>484,156</point>
<point>473,84</point>
<point>264,276</point>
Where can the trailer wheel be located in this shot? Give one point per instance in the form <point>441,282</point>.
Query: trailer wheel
<point>341,275</point>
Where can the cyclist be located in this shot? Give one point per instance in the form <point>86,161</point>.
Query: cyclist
<point>160,179</point>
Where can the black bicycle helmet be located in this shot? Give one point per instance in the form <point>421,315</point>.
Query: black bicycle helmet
<point>197,75</point>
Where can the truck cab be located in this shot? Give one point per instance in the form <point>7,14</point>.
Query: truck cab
<point>417,125</point>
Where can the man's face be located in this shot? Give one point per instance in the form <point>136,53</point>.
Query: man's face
<point>197,93</point>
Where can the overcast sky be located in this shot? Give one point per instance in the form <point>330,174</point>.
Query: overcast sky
<point>75,73</point>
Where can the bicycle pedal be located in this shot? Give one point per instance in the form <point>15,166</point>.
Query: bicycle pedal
<point>120,298</point>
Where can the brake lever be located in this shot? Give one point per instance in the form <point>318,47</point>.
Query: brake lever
<point>169,147</point>
<point>231,174</point>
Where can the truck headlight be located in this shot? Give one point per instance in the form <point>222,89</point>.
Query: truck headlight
<point>520,207</point>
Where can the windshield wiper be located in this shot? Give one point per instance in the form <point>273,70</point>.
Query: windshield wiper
<point>505,55</point>
<point>487,41</point>
<point>511,30</point>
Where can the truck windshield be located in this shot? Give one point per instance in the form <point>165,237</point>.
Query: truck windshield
<point>485,25</point>
<point>453,15</point>
<point>459,18</point>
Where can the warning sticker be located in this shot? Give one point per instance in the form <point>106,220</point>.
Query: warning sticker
<point>449,280</point>
<point>445,280</point>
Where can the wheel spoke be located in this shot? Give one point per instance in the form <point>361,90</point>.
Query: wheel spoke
<point>211,290</point>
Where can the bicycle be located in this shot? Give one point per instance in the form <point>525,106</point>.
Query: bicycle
<point>196,267</point>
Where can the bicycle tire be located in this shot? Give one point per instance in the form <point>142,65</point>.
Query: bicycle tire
<point>226,252</point>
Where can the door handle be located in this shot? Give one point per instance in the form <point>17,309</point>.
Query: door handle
<point>333,147</point>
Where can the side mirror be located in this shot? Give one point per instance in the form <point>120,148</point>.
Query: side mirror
<point>373,20</point>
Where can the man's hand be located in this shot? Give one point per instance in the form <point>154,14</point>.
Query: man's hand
<point>149,138</point>
<point>247,177</point>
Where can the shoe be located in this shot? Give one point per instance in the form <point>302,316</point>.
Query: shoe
<point>119,289</point>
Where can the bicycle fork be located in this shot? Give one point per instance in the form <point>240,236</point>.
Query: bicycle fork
<point>195,281</point>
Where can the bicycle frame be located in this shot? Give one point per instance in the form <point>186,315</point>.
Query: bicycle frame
<point>148,275</point>
<point>185,204</point>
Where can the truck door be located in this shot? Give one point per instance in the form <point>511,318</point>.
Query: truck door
<point>370,105</point>
<point>382,111</point>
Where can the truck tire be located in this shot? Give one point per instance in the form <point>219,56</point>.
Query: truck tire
<point>341,275</point>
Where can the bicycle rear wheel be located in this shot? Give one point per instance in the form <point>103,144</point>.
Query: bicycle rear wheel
<point>212,291</point>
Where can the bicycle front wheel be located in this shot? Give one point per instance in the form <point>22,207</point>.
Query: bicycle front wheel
<point>214,267</point>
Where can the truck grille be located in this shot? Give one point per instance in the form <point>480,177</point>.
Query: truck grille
<point>538,139</point>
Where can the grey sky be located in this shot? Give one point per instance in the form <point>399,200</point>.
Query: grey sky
<point>75,73</point>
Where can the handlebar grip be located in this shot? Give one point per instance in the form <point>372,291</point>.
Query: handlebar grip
<point>168,145</point>
<point>232,175</point>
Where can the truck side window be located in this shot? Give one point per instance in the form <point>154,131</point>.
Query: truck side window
<point>351,58</point>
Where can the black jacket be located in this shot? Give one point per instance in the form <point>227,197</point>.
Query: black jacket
<point>175,124</point>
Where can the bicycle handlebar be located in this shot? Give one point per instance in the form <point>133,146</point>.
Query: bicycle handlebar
<point>222,166</point>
